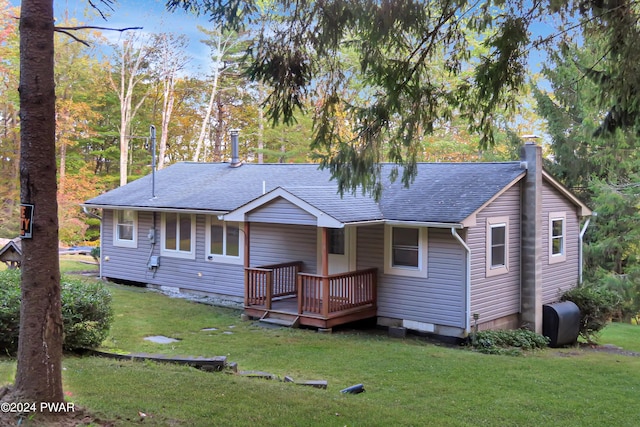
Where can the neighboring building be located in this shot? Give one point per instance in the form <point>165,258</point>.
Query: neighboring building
<point>11,252</point>
<point>490,240</point>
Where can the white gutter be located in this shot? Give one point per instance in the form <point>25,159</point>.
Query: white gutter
<point>91,214</point>
<point>371,222</point>
<point>467,249</point>
<point>425,224</point>
<point>155,209</point>
<point>584,229</point>
<point>100,260</point>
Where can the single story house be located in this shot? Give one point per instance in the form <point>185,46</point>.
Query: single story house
<point>467,244</point>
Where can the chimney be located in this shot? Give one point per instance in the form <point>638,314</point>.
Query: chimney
<point>235,157</point>
<point>531,245</point>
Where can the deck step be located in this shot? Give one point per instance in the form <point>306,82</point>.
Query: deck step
<point>280,319</point>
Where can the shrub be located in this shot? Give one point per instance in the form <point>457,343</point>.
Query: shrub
<point>9,310</point>
<point>95,253</point>
<point>597,306</point>
<point>86,312</point>
<point>507,342</point>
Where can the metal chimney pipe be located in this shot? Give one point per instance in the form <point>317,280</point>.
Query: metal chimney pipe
<point>235,157</point>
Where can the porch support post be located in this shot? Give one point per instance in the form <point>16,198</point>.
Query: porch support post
<point>247,262</point>
<point>325,272</point>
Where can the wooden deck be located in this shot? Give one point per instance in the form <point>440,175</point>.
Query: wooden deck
<point>283,292</point>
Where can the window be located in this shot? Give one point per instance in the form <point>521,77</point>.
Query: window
<point>178,237</point>
<point>405,247</point>
<point>557,239</point>
<point>224,240</point>
<point>497,250</point>
<point>406,251</point>
<point>336,241</point>
<point>125,229</point>
<point>498,245</point>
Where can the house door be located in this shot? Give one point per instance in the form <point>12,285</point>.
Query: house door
<point>342,250</point>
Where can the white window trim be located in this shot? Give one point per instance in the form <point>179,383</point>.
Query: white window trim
<point>177,253</point>
<point>389,268</point>
<point>224,258</point>
<point>561,257</point>
<point>491,222</point>
<point>124,243</point>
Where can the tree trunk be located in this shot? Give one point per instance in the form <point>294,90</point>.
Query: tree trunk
<point>39,374</point>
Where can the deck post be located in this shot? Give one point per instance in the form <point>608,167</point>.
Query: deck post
<point>325,272</point>
<point>300,293</point>
<point>247,264</point>
<point>269,289</point>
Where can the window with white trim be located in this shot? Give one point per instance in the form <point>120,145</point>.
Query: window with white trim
<point>125,228</point>
<point>405,251</point>
<point>224,240</point>
<point>178,235</point>
<point>557,237</point>
<point>497,246</point>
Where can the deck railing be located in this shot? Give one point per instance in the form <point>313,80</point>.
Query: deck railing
<point>267,282</point>
<point>325,295</point>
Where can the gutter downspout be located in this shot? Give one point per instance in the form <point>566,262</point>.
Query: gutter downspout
<point>99,218</point>
<point>467,308</point>
<point>584,229</point>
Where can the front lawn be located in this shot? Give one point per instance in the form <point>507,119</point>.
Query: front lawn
<point>408,381</point>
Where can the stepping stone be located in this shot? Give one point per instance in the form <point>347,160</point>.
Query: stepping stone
<point>160,339</point>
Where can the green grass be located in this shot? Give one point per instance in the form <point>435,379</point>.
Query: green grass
<point>78,263</point>
<point>622,335</point>
<point>72,264</point>
<point>408,382</point>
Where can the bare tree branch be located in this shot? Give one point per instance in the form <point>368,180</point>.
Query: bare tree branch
<point>107,3</point>
<point>92,27</point>
<point>66,30</point>
<point>79,40</point>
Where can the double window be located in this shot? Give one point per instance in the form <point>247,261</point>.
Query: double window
<point>179,233</point>
<point>125,229</point>
<point>406,251</point>
<point>497,249</point>
<point>557,231</point>
<point>224,240</point>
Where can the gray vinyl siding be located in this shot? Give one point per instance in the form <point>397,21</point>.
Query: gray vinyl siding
<point>197,274</point>
<point>561,276</point>
<point>438,299</point>
<point>497,296</point>
<point>281,211</point>
<point>273,244</point>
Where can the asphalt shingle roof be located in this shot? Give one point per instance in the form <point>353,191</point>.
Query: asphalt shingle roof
<point>441,192</point>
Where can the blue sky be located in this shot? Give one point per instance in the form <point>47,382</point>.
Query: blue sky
<point>149,14</point>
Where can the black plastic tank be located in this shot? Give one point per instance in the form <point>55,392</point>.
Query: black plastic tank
<point>561,323</point>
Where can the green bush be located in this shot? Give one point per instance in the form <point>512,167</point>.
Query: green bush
<point>597,304</point>
<point>507,342</point>
<point>9,310</point>
<point>95,253</point>
<point>86,312</point>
